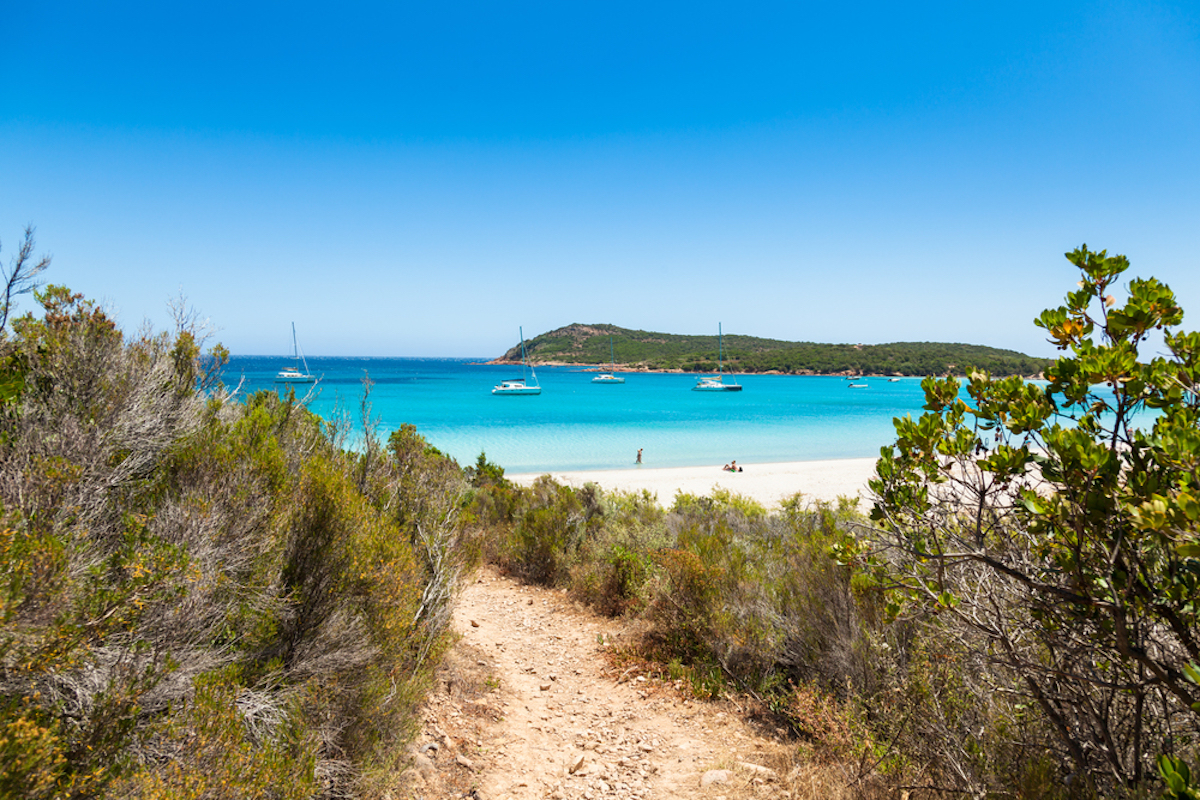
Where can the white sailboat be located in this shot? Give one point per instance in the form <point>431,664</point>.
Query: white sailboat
<point>609,377</point>
<point>520,385</point>
<point>294,374</point>
<point>716,383</point>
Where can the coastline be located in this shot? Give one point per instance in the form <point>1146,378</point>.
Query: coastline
<point>767,484</point>
<point>637,368</point>
<point>803,373</point>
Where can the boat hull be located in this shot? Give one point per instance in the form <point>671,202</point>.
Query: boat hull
<point>716,386</point>
<point>519,391</point>
<point>517,387</point>
<point>607,379</point>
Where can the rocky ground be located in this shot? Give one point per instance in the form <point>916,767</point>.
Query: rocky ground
<point>533,704</point>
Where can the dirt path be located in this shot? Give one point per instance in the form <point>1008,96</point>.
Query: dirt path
<point>529,707</point>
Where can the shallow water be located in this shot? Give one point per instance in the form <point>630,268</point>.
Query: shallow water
<point>577,425</point>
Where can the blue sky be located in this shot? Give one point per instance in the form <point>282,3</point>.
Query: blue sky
<point>421,180</point>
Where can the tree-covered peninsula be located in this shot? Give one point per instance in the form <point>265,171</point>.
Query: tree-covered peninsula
<point>651,351</point>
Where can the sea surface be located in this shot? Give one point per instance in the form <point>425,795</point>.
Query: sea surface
<point>577,425</point>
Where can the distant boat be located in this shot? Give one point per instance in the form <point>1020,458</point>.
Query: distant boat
<point>294,374</point>
<point>858,386</point>
<point>609,377</point>
<point>716,383</point>
<point>893,380</point>
<point>519,385</point>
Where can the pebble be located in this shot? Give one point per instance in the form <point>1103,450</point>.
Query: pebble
<point>715,776</point>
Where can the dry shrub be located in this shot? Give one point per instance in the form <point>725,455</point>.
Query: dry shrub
<point>213,749</point>
<point>200,597</point>
<point>551,523</point>
<point>614,564</point>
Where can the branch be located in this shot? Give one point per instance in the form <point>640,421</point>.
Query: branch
<point>20,277</point>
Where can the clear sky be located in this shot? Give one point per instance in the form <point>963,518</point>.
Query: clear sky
<point>421,179</point>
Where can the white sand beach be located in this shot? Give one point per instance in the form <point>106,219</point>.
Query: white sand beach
<point>766,483</point>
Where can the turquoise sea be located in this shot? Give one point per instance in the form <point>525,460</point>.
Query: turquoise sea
<point>577,425</point>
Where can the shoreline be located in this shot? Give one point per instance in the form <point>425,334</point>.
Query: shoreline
<point>805,373</point>
<point>638,369</point>
<point>766,483</point>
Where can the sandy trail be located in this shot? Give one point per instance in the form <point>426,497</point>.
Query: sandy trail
<point>548,717</point>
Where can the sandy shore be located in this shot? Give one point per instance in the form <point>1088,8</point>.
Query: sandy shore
<point>766,483</point>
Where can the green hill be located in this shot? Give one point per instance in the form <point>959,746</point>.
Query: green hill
<point>647,350</point>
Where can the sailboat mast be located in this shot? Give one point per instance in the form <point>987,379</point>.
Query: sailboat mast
<point>720,349</point>
<point>295,347</point>
<point>521,330</point>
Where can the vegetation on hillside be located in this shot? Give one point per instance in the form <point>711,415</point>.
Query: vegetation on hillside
<point>589,344</point>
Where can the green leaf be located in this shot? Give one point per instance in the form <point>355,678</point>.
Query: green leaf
<point>1188,549</point>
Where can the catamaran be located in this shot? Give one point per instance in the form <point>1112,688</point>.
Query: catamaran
<point>716,383</point>
<point>609,377</point>
<point>519,385</point>
<point>293,374</point>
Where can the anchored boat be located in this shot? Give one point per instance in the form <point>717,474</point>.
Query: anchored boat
<point>294,374</point>
<point>716,383</point>
<point>609,377</point>
<point>520,385</point>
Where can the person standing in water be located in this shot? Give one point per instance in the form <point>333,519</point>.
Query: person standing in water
<point>639,457</point>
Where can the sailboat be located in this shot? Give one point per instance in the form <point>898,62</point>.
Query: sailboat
<point>716,383</point>
<point>293,374</point>
<point>609,377</point>
<point>519,385</point>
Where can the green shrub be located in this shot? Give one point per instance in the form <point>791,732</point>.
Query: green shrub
<point>211,750</point>
<point>32,761</point>
<point>551,524</point>
<point>203,597</point>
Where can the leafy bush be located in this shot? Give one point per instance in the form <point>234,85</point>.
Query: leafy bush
<point>615,564</point>
<point>550,526</point>
<point>1055,540</point>
<point>199,596</point>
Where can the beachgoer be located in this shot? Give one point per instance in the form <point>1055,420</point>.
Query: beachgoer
<point>733,467</point>
<point>639,458</point>
<point>727,468</point>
